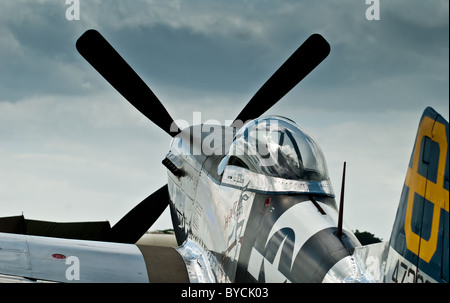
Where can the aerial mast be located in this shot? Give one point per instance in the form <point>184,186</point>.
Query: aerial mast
<point>341,205</point>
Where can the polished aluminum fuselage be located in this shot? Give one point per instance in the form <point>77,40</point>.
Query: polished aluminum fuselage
<point>234,224</point>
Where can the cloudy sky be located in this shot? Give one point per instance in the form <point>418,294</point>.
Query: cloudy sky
<point>72,149</point>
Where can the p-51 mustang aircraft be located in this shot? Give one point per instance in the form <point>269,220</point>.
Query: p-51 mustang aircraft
<point>250,202</point>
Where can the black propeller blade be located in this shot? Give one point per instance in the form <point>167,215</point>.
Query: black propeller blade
<point>104,58</point>
<point>138,220</point>
<point>313,51</point>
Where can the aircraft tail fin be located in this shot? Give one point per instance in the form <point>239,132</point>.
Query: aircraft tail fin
<point>419,243</point>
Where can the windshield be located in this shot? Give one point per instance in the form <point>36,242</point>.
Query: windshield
<point>278,147</point>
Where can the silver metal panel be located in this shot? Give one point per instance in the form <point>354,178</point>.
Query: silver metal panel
<point>220,221</point>
<point>14,256</point>
<point>197,263</point>
<point>373,259</point>
<point>347,270</point>
<point>65,260</point>
<point>15,279</point>
<point>98,261</point>
<point>237,176</point>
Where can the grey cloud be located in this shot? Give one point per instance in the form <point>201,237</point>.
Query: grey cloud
<point>227,46</point>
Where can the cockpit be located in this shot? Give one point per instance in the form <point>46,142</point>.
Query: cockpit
<point>277,147</point>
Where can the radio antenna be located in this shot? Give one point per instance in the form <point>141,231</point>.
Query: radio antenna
<point>341,206</point>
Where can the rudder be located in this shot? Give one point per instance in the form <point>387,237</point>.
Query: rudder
<point>419,244</point>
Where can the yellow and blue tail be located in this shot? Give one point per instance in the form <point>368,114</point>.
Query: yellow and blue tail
<point>419,244</point>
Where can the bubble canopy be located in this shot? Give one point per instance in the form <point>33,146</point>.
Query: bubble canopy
<point>278,147</point>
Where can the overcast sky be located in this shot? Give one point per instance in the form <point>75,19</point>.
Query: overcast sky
<point>72,149</point>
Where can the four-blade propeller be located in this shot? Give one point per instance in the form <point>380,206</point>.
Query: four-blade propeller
<point>309,55</point>
<point>105,59</point>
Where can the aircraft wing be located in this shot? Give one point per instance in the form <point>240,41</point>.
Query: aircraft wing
<point>34,258</point>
